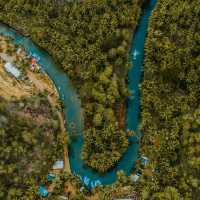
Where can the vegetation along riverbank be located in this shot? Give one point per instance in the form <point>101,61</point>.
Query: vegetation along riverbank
<point>90,40</point>
<point>31,130</point>
<point>170,101</point>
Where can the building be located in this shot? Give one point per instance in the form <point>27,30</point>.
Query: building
<point>136,177</point>
<point>10,68</point>
<point>144,160</point>
<point>58,165</point>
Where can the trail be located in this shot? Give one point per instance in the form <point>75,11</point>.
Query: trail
<point>64,133</point>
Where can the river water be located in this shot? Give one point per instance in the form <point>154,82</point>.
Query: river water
<point>72,104</point>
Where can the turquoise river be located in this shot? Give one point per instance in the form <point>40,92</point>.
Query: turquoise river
<point>72,104</point>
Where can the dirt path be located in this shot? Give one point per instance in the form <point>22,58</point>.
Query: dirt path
<point>121,115</point>
<point>43,85</point>
<point>64,132</point>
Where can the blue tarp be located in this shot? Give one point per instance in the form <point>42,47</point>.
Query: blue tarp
<point>43,191</point>
<point>50,177</point>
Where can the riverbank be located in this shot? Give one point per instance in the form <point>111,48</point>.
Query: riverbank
<point>72,108</point>
<point>171,100</point>
<point>95,61</point>
<point>31,82</point>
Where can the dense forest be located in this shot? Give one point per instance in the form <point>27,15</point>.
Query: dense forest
<point>29,143</point>
<point>90,40</point>
<point>171,101</point>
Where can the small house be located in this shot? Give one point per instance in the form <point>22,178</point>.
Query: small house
<point>136,176</point>
<point>144,160</point>
<point>33,61</point>
<point>10,68</point>
<point>58,165</point>
<point>63,197</point>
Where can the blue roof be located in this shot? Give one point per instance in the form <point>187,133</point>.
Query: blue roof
<point>50,177</point>
<point>43,191</point>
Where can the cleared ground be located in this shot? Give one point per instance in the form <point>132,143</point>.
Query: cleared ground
<point>31,83</point>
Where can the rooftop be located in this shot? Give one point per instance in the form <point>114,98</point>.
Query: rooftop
<point>59,164</point>
<point>12,69</point>
<point>43,191</point>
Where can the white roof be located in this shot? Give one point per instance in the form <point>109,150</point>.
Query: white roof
<point>63,197</point>
<point>59,164</point>
<point>12,69</point>
<point>135,177</point>
<point>19,50</point>
<point>144,157</point>
<point>144,160</point>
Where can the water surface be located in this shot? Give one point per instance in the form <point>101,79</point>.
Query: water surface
<point>72,104</point>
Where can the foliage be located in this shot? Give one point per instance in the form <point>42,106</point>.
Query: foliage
<point>110,145</point>
<point>90,39</point>
<point>170,101</point>
<point>29,144</point>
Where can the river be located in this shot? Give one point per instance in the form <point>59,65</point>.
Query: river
<point>72,104</point>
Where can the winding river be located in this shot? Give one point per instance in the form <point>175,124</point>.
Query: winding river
<point>72,104</point>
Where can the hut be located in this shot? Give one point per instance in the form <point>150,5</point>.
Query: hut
<point>58,165</point>
<point>136,177</point>
<point>10,68</point>
<point>144,160</point>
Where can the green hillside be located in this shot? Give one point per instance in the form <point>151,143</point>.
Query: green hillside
<point>170,100</point>
<point>29,143</point>
<point>90,40</point>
